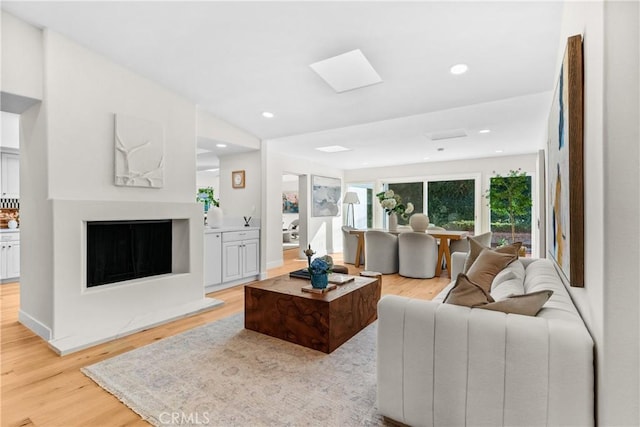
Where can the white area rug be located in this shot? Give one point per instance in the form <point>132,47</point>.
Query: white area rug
<point>223,375</point>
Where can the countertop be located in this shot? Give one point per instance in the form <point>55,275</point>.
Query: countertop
<point>9,230</point>
<point>229,228</point>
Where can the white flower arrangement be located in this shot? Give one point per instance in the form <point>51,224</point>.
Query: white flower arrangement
<point>392,203</point>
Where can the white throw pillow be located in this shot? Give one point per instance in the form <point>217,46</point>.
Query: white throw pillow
<point>515,270</point>
<point>508,282</point>
<point>507,289</point>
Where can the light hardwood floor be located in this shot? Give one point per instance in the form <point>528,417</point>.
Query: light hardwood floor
<point>40,388</point>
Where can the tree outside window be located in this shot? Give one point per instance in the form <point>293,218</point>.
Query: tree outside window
<point>452,204</point>
<point>510,204</point>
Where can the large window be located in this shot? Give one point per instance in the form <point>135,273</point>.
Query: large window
<point>452,204</point>
<point>363,211</point>
<point>510,204</point>
<point>411,192</point>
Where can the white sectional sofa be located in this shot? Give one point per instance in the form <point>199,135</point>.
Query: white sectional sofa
<point>448,365</point>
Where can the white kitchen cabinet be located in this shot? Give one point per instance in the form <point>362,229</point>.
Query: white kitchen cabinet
<point>212,259</point>
<point>240,255</point>
<point>10,175</point>
<point>10,256</point>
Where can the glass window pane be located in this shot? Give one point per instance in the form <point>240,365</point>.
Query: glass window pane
<point>510,203</point>
<point>410,192</point>
<point>363,212</point>
<point>452,204</point>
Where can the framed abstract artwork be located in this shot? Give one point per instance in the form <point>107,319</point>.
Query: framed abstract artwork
<point>565,202</point>
<point>325,196</point>
<point>290,202</point>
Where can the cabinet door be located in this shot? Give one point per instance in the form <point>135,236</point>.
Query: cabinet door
<point>3,260</point>
<point>231,261</point>
<point>212,259</point>
<point>251,255</point>
<point>10,175</point>
<point>13,259</point>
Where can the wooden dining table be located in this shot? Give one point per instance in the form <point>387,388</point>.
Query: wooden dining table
<point>444,236</point>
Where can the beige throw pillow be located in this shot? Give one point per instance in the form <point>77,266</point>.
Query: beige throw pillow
<point>475,248</point>
<point>467,293</point>
<point>527,305</point>
<point>488,264</point>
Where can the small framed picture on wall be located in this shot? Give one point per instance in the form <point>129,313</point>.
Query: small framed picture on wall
<point>237,179</point>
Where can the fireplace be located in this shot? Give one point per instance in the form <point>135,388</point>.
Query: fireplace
<point>126,250</point>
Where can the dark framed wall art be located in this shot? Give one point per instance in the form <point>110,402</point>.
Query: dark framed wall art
<point>565,202</point>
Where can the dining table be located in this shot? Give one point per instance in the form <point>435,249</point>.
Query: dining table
<point>443,236</point>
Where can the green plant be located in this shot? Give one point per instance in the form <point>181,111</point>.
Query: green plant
<point>205,195</point>
<point>510,197</point>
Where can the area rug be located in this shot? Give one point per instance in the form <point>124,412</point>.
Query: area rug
<point>223,375</point>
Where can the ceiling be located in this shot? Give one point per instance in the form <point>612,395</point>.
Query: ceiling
<point>239,59</point>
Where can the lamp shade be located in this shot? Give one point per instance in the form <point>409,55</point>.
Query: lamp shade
<point>351,197</point>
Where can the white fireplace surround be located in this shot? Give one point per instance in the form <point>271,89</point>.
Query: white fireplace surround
<point>81,316</point>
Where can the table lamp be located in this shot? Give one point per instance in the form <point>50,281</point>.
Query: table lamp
<point>351,198</point>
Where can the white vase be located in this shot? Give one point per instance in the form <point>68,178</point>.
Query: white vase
<point>214,217</point>
<point>393,221</point>
<point>419,222</point>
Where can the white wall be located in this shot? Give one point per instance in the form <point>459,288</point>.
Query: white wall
<point>81,126</point>
<point>21,58</point>
<point>324,233</point>
<point>10,124</point>
<point>67,178</point>
<point>239,202</point>
<point>608,301</point>
<point>208,179</point>
<point>211,127</point>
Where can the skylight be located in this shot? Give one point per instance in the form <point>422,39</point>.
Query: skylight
<point>333,148</point>
<point>348,71</point>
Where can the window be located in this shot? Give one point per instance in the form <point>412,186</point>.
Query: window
<point>411,192</point>
<point>510,204</point>
<point>452,204</point>
<point>363,212</point>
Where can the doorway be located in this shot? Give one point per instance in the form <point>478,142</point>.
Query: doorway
<point>290,212</point>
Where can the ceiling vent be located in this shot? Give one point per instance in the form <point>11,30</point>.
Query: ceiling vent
<point>447,134</point>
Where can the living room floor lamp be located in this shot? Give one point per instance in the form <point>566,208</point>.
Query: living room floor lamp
<point>351,198</point>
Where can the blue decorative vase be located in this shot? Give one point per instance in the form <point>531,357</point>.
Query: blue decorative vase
<point>319,281</point>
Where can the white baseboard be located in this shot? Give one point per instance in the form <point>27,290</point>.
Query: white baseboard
<point>34,325</point>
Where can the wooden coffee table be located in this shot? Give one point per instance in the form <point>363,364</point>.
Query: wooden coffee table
<point>278,307</point>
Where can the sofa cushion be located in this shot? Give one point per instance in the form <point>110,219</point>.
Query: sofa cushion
<point>527,305</point>
<point>475,248</point>
<point>509,281</point>
<point>467,293</point>
<point>488,264</point>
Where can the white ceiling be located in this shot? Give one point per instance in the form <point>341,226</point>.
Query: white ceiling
<point>238,59</point>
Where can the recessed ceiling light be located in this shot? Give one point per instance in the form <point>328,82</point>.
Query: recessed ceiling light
<point>221,145</point>
<point>333,148</point>
<point>268,114</point>
<point>365,163</point>
<point>459,69</point>
<point>484,131</point>
<point>425,158</point>
<point>498,151</point>
<point>347,71</point>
